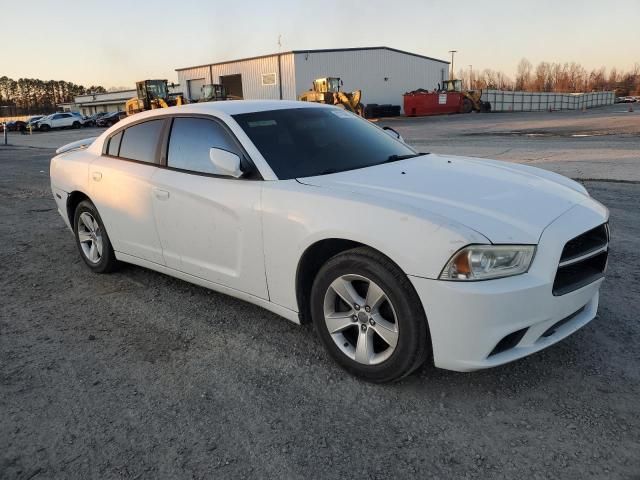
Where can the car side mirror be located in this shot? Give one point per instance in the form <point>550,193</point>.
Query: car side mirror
<point>392,133</point>
<point>225,163</point>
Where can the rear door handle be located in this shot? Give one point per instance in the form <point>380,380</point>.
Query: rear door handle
<point>97,176</point>
<point>161,194</point>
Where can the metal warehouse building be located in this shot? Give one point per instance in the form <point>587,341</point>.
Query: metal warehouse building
<point>382,73</point>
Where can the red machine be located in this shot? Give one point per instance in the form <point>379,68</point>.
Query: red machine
<point>421,103</point>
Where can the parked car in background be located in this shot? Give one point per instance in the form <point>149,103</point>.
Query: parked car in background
<point>318,215</point>
<point>91,120</point>
<point>60,120</point>
<point>110,119</point>
<point>19,126</point>
<point>33,121</point>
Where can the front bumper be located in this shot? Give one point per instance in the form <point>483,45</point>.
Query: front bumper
<point>468,320</point>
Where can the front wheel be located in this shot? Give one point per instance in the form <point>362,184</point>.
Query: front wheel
<point>369,317</point>
<point>45,128</point>
<point>467,106</point>
<point>76,125</point>
<point>92,239</point>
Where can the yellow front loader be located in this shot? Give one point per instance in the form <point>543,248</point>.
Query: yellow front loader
<point>472,99</point>
<point>152,94</point>
<point>327,90</point>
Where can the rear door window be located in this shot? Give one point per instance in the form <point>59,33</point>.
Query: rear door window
<point>140,141</point>
<point>114,145</point>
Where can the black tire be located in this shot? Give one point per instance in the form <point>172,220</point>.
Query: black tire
<point>77,125</point>
<point>44,128</point>
<point>107,261</point>
<point>413,341</point>
<point>485,107</point>
<point>467,106</point>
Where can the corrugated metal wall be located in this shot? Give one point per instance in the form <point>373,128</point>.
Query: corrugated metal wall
<point>509,101</point>
<point>251,71</point>
<point>382,75</point>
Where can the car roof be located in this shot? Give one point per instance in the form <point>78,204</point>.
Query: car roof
<point>229,107</point>
<point>219,109</point>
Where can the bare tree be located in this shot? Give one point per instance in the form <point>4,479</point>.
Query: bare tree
<point>523,75</point>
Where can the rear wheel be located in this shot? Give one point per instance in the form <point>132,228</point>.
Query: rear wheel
<point>92,239</point>
<point>369,317</point>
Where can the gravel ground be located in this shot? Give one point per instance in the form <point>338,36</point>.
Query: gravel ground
<point>576,144</point>
<point>138,375</point>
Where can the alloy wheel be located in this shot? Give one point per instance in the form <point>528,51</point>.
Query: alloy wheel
<point>361,319</point>
<point>90,237</point>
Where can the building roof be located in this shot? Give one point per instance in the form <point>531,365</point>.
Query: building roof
<point>327,50</point>
<point>112,98</point>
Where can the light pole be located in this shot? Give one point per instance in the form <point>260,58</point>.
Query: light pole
<point>452,52</point>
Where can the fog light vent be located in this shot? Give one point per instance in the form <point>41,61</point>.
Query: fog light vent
<point>509,341</point>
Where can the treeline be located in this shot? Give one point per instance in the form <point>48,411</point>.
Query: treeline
<point>27,96</point>
<point>556,77</point>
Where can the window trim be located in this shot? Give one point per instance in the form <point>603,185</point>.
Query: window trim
<point>156,156</point>
<point>162,148</point>
<point>244,157</point>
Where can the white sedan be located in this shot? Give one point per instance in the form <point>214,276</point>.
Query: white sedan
<point>318,215</point>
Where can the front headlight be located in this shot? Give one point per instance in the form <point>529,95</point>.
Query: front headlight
<point>482,262</point>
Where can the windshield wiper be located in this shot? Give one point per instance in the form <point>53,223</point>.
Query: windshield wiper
<point>395,158</point>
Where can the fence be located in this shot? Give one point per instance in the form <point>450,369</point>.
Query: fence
<point>510,101</point>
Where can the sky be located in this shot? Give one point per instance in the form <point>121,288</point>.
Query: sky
<point>113,43</point>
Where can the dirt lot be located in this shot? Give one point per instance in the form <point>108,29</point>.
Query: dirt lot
<point>602,143</point>
<point>138,375</point>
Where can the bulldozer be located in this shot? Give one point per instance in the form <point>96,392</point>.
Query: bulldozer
<point>471,98</point>
<point>152,94</point>
<point>327,90</point>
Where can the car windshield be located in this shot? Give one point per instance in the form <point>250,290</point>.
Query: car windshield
<point>304,142</point>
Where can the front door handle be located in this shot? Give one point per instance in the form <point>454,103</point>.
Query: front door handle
<point>97,176</point>
<point>161,194</point>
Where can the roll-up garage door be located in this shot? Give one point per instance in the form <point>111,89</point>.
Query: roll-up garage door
<point>195,88</point>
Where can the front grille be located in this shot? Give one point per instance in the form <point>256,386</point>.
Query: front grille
<point>583,260</point>
<point>590,241</point>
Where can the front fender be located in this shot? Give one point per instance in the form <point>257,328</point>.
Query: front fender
<point>296,216</point>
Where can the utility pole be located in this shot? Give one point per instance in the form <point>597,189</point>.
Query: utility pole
<point>470,77</point>
<point>452,52</point>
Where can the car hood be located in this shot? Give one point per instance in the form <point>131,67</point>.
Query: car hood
<point>505,202</point>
